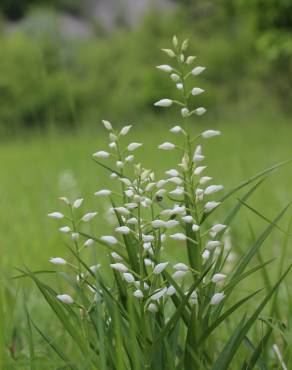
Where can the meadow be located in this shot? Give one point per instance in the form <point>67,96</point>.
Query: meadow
<point>37,169</point>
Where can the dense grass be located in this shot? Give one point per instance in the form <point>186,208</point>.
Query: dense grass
<point>30,185</point>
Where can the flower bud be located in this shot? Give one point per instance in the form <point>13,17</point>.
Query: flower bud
<point>109,239</point>
<point>65,229</point>
<point>129,278</point>
<point>123,230</point>
<point>171,290</point>
<point>198,70</point>
<point>89,243</point>
<point>103,193</point>
<point>101,154</point>
<point>218,277</point>
<point>199,170</point>
<point>213,189</point>
<point>190,59</point>
<point>138,294</point>
<point>152,308</point>
<point>166,146</point>
<point>185,112</point>
<point>120,267</point>
<point>89,216</point>
<point>58,261</point>
<point>165,68</point>
<point>195,227</point>
<point>209,206</point>
<point>56,215</point>
<point>200,111</point>
<point>169,52</point>
<point>188,219</point>
<point>217,298</point>
<point>181,266</point>
<point>197,91</point>
<point>160,267</point>
<point>125,130</point>
<point>157,224</point>
<point>107,125</point>
<point>179,86</point>
<point>134,146</point>
<point>163,103</point>
<point>176,130</point>
<point>185,45</point>
<point>210,133</point>
<point>159,293</point>
<point>65,298</point>
<point>206,255</point>
<point>212,244</point>
<point>178,236</point>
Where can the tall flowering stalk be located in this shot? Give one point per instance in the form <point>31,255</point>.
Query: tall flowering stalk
<point>143,310</point>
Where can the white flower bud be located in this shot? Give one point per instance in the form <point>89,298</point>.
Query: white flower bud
<point>178,236</point>
<point>75,236</point>
<point>109,239</point>
<point>199,170</point>
<point>175,77</point>
<point>175,41</point>
<point>178,191</point>
<point>175,180</point>
<point>172,173</point>
<point>171,290</point>
<point>129,278</point>
<point>217,298</point>
<point>163,103</point>
<point>152,308</point>
<point>147,238</point>
<point>210,133</point>
<point>134,146</point>
<point>125,130</point>
<point>185,112</point>
<point>190,59</point>
<point>113,137</point>
<point>89,216</point>
<point>120,164</point>
<point>114,175</point>
<point>159,293</point>
<point>101,154</point>
<point>206,254</point>
<point>179,86</point>
<point>58,261</point>
<point>56,215</point>
<point>123,230</point>
<point>89,243</point>
<point>209,206</point>
<point>116,256</point>
<point>122,210</point>
<point>212,244</point>
<point>160,267</point>
<point>132,221</point>
<point>113,145</point>
<point>179,210</point>
<point>148,262</point>
<point>138,294</point>
<point>197,91</point>
<point>169,52</point>
<point>198,70</point>
<point>213,189</point>
<point>218,277</point>
<point>164,68</point>
<point>217,228</point>
<point>200,111</point>
<point>65,200</point>
<point>181,267</point>
<point>185,44</point>
<point>120,267</point>
<point>158,223</point>
<point>176,129</point>
<point>205,179</point>
<point>166,146</point>
<point>129,158</point>
<point>178,275</point>
<point>65,298</point>
<point>171,224</point>
<point>188,219</point>
<point>65,229</point>
<point>103,193</point>
<point>107,125</point>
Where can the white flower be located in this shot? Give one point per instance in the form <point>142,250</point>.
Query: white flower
<point>179,86</point>
<point>171,224</point>
<point>152,308</point>
<point>163,103</point>
<point>65,298</point>
<point>200,111</point>
<point>89,216</point>
<point>178,191</point>
<point>134,146</point>
<point>190,59</point>
<point>113,137</point>
<point>103,193</point>
<point>65,200</point>
<point>94,268</point>
<point>212,244</point>
<point>120,164</point>
<point>89,243</point>
<point>101,154</point>
<point>116,256</point>
<point>65,229</point>
<point>56,215</point>
<point>206,254</point>
<point>147,238</point>
<point>178,236</point>
<point>158,223</point>
<point>218,277</point>
<point>129,278</point>
<point>217,228</point>
<point>107,125</point>
<point>171,290</point>
<point>213,189</point>
<point>138,294</point>
<point>75,236</point>
<point>148,262</point>
<point>199,170</point>
<point>194,298</point>
<point>159,293</point>
<point>175,77</point>
<point>209,206</point>
<point>175,180</point>
<point>217,298</point>
<point>195,227</point>
<point>78,203</point>
<point>112,145</point>
<point>166,146</point>
<point>205,179</point>
<point>210,133</point>
<point>181,266</point>
<point>119,267</point>
<point>125,130</point>
<point>185,112</point>
<point>131,205</point>
<point>160,267</point>
<point>197,91</point>
<point>179,209</point>
<point>113,175</point>
<point>123,230</point>
<point>109,239</point>
<point>199,194</point>
<point>187,219</point>
<point>198,158</point>
<point>58,261</point>
<point>198,70</point>
<point>178,275</point>
<point>129,158</point>
<point>172,173</point>
<point>165,68</point>
<point>132,221</point>
<point>122,210</point>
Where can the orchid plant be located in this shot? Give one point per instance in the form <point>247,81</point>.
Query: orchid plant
<point>144,310</point>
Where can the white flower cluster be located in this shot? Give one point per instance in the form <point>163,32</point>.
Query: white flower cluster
<point>153,213</point>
